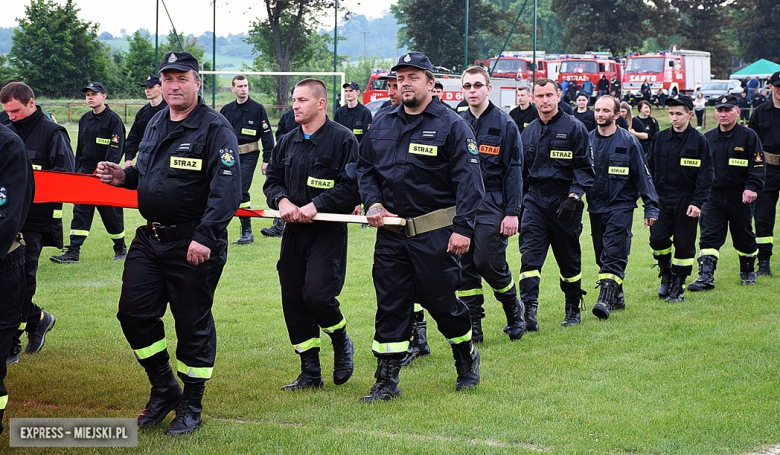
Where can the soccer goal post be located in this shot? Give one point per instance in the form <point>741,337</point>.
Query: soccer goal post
<point>339,74</point>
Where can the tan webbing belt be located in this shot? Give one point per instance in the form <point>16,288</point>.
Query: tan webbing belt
<point>426,223</point>
<point>19,241</point>
<point>771,158</point>
<point>247,148</point>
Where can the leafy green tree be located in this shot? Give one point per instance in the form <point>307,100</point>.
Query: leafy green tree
<point>441,36</point>
<point>56,53</point>
<point>286,39</point>
<point>616,26</point>
<point>758,30</point>
<point>190,44</point>
<point>139,63</point>
<point>6,72</point>
<point>703,24</point>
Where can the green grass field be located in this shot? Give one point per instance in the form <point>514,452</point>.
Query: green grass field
<point>699,377</point>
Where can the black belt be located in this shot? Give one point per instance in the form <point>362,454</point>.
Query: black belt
<point>171,232</point>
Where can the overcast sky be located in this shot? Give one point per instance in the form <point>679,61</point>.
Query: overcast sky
<point>188,16</point>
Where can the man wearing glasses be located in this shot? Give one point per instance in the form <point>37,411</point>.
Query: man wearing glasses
<point>499,145</point>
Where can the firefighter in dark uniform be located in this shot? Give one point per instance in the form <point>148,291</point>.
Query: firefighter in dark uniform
<point>583,114</point>
<point>418,158</point>
<point>286,124</point>
<point>744,108</point>
<point>153,91</point>
<point>525,112</point>
<point>392,91</point>
<point>189,188</point>
<point>680,163</point>
<point>559,169</point>
<point>765,121</point>
<point>49,148</point>
<point>252,127</point>
<point>621,177</point>
<point>562,105</point>
<point>739,176</point>
<point>16,195</point>
<point>353,115</point>
<point>497,218</point>
<point>101,138</point>
<point>312,170</point>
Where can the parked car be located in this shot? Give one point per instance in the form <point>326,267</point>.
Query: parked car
<point>716,89</point>
<point>375,105</point>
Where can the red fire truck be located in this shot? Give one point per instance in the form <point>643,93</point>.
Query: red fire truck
<point>590,66</point>
<point>674,71</point>
<point>516,65</point>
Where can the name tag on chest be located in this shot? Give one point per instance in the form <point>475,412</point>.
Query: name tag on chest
<point>102,141</point>
<point>421,149</point>
<point>618,170</point>
<point>690,162</point>
<point>489,149</point>
<point>191,164</point>
<point>319,183</point>
<point>248,132</point>
<point>738,162</point>
<point>561,154</point>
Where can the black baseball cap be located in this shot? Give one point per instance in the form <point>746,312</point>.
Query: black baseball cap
<point>96,87</point>
<point>390,75</point>
<point>414,59</point>
<point>352,85</point>
<point>585,94</point>
<point>775,79</point>
<point>729,101</point>
<point>438,84</point>
<point>680,100</point>
<point>182,61</point>
<point>151,81</point>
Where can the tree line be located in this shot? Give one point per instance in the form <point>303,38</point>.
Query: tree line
<point>57,54</point>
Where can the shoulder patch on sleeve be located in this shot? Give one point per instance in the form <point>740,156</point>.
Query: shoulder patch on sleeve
<point>472,146</point>
<point>227,157</point>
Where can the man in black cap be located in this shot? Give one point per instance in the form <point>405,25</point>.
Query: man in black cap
<point>413,161</point>
<point>101,138</point>
<point>394,98</point>
<point>48,146</point>
<point>156,103</point>
<point>739,176</point>
<point>765,121</point>
<point>680,163</point>
<point>558,166</point>
<point>189,187</point>
<point>583,114</point>
<point>253,129</point>
<point>353,115</point>
<point>16,195</point>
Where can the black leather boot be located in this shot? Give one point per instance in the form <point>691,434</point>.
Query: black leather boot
<point>420,333</point>
<point>311,373</point>
<point>343,351</point>
<point>763,267</point>
<point>574,302</point>
<point>531,324</point>
<point>515,319</point>
<point>619,303</point>
<point>606,298</point>
<point>164,397</point>
<point>274,231</point>
<point>476,330</point>
<point>246,231</point>
<point>386,386</point>
<point>466,364</point>
<point>706,279</point>
<point>747,270</point>
<point>677,289</point>
<point>665,274</point>
<point>188,413</point>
